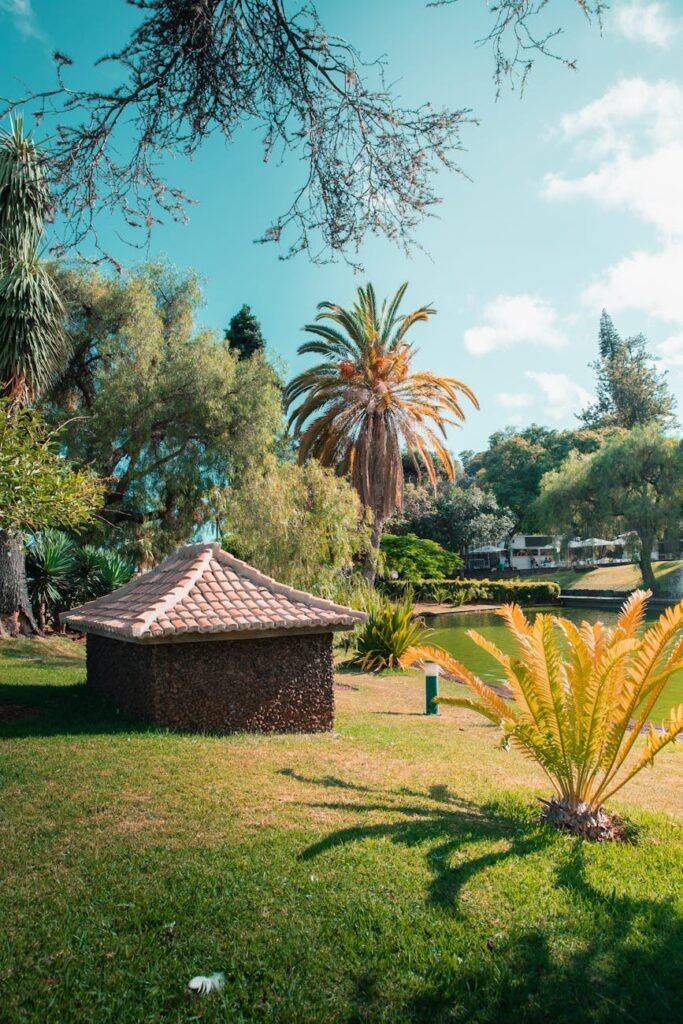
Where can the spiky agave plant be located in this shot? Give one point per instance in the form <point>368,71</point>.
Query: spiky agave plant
<point>50,564</point>
<point>390,632</point>
<point>579,697</point>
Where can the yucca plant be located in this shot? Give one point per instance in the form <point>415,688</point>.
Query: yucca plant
<point>391,631</point>
<point>98,571</point>
<point>579,697</point>
<point>50,565</point>
<point>62,574</point>
<point>112,571</point>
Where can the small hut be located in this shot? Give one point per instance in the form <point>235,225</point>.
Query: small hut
<point>206,643</point>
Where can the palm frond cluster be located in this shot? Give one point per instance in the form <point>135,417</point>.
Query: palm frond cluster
<point>578,697</point>
<point>34,344</point>
<point>363,403</point>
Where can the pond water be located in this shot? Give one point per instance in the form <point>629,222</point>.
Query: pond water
<point>450,633</point>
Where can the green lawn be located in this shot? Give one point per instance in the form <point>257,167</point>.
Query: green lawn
<point>392,871</point>
<point>669,576</point>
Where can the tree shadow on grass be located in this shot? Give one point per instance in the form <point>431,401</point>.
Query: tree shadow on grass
<point>60,710</point>
<point>617,959</point>
<point>451,826</point>
<point>600,956</point>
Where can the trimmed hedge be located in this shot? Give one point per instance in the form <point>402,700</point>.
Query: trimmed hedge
<point>459,592</point>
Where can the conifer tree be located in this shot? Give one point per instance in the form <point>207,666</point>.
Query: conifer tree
<point>244,334</point>
<point>631,391</point>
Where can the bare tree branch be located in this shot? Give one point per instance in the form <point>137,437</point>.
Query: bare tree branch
<point>515,41</point>
<point>194,68</point>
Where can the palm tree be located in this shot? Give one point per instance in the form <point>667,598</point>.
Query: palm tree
<point>363,403</point>
<point>32,340</point>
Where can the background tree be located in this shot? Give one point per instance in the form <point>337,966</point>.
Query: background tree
<point>515,462</point>
<point>633,482</point>
<point>190,70</point>
<point>364,403</point>
<point>630,389</point>
<point>32,341</point>
<point>458,518</point>
<point>299,524</point>
<point>38,489</point>
<point>162,407</point>
<point>608,337</point>
<point>417,558</point>
<point>244,334</point>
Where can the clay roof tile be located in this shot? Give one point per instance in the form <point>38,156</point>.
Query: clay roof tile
<point>202,589</point>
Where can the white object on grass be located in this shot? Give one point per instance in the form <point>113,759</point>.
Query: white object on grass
<point>204,984</point>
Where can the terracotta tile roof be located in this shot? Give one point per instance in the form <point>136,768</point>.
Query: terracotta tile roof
<point>202,589</point>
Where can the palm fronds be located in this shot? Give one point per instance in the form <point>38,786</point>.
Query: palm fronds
<point>579,697</point>
<point>362,404</point>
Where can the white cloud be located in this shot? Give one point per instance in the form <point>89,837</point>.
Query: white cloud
<point>512,320</point>
<point>649,186</point>
<point>634,135</point>
<point>636,129</point>
<point>514,399</point>
<point>633,109</point>
<point>670,351</point>
<point>22,15</point>
<point>651,282</point>
<point>646,21</point>
<point>563,396</point>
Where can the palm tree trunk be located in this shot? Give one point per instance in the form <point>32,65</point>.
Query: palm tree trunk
<point>372,554</point>
<point>16,616</point>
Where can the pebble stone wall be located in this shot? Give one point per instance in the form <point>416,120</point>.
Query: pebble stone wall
<point>279,684</point>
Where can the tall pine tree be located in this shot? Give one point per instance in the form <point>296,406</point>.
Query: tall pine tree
<point>609,340</point>
<point>630,390</point>
<point>244,334</point>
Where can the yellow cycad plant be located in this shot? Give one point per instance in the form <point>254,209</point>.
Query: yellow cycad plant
<point>575,699</point>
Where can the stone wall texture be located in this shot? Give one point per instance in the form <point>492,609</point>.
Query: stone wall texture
<point>276,684</point>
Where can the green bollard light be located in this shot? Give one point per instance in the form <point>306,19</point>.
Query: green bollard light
<point>431,687</point>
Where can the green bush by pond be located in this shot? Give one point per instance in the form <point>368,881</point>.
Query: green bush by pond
<point>459,592</point>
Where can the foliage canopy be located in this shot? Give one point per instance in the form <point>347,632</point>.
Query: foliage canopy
<point>244,335</point>
<point>458,518</point>
<point>630,390</point>
<point>516,461</point>
<point>299,524</point>
<point>38,487</point>
<point>416,558</point>
<point>163,406</point>
<point>634,482</point>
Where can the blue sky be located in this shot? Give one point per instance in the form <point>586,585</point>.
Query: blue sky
<point>575,202</point>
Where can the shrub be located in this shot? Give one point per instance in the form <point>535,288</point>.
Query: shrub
<point>391,631</point>
<point>463,591</point>
<point>416,557</point>
<point>60,574</point>
<point>50,565</point>
<point>578,700</point>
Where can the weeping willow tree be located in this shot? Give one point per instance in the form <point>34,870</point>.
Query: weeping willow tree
<point>32,340</point>
<point>365,403</point>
